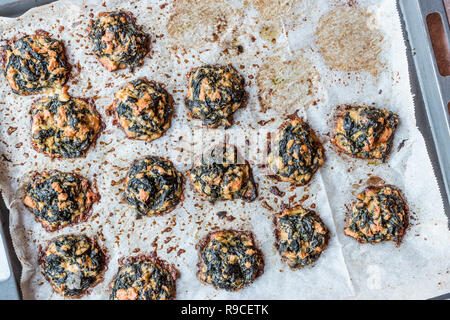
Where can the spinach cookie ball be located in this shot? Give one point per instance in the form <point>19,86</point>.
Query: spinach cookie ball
<point>35,63</point>
<point>296,153</point>
<point>117,41</point>
<point>301,236</point>
<point>365,132</point>
<point>379,214</point>
<point>59,199</point>
<point>63,126</point>
<point>229,260</point>
<point>73,264</point>
<point>223,175</point>
<point>153,186</point>
<point>144,278</point>
<point>143,109</point>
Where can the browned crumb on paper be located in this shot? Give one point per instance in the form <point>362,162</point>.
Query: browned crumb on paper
<point>348,41</point>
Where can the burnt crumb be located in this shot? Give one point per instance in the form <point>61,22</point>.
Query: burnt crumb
<point>11,130</point>
<point>401,145</point>
<point>5,158</point>
<point>266,205</point>
<point>230,218</point>
<point>235,49</point>
<point>303,199</point>
<point>264,122</point>
<point>285,205</point>
<point>221,214</point>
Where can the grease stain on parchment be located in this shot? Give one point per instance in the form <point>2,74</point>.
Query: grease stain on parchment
<point>285,86</point>
<point>194,22</point>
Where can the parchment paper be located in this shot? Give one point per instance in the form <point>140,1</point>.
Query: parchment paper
<point>283,37</point>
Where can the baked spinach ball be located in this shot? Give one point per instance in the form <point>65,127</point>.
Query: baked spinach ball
<point>63,126</point>
<point>365,132</point>
<point>117,41</point>
<point>301,236</point>
<point>380,213</point>
<point>144,278</point>
<point>59,199</point>
<point>153,186</point>
<point>143,109</point>
<point>223,175</point>
<point>73,264</point>
<point>214,93</point>
<point>34,63</point>
<point>296,153</point>
<point>229,260</point>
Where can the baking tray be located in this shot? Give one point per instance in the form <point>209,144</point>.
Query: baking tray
<point>431,93</point>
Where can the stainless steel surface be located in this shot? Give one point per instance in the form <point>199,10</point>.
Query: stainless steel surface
<point>431,94</point>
